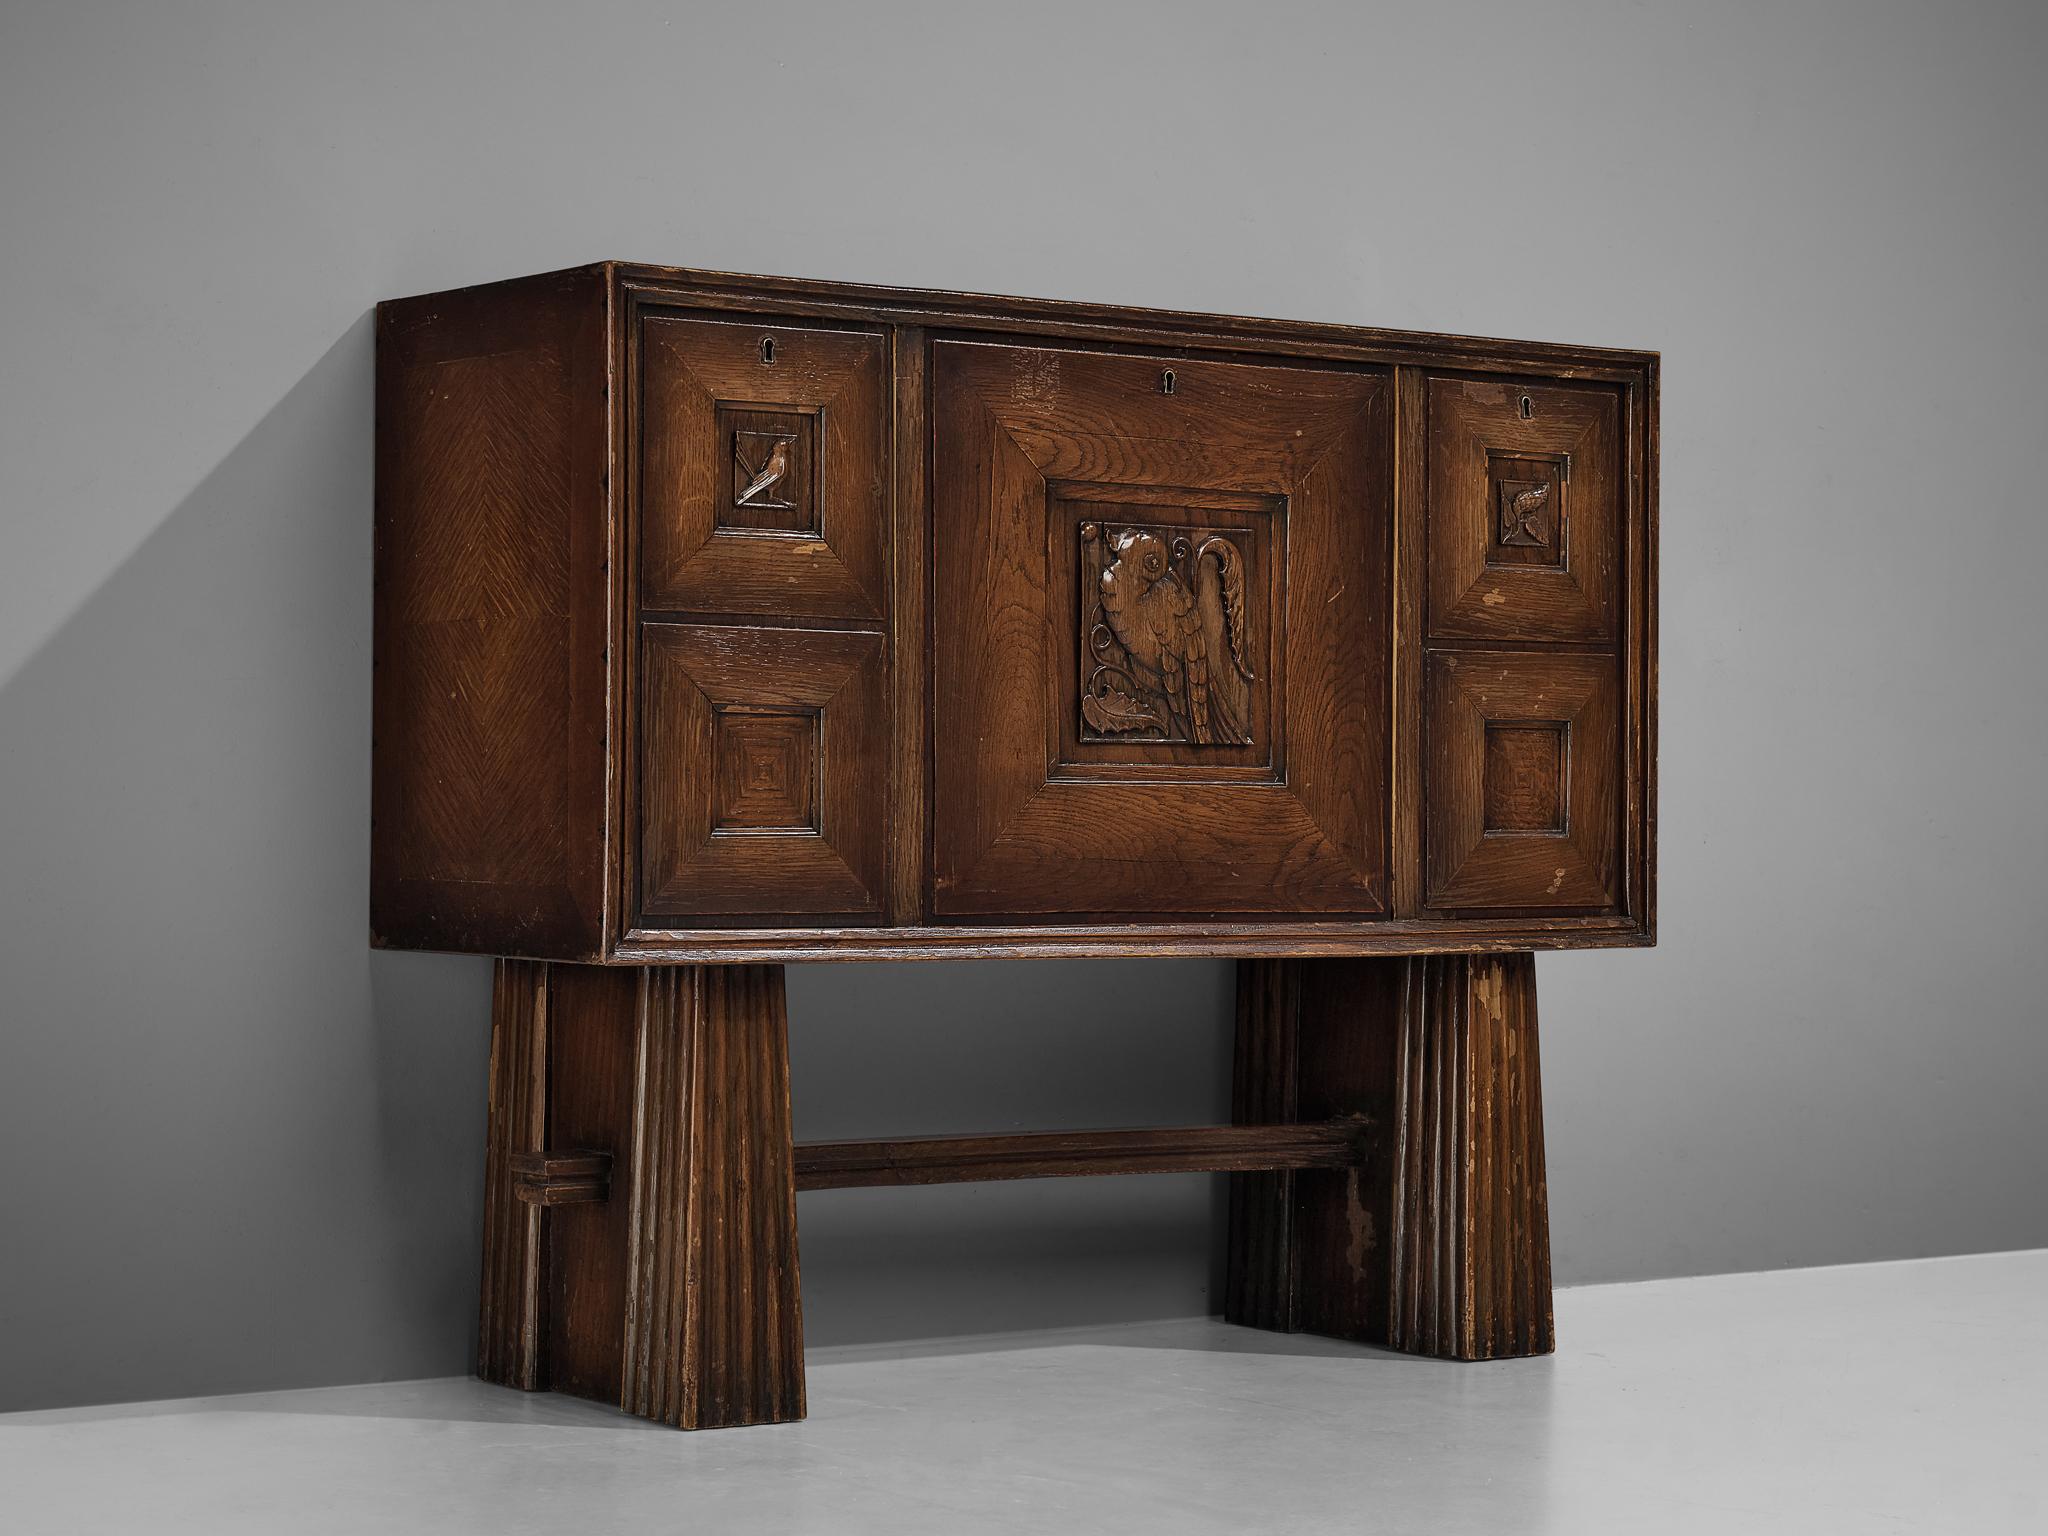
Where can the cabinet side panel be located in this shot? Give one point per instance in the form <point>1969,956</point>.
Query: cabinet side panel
<point>492,638</point>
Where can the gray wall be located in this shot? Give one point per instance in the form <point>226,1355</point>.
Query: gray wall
<point>241,1150</point>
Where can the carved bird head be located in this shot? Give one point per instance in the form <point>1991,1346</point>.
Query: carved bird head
<point>1138,555</point>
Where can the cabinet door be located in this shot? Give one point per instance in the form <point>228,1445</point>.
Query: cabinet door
<point>1523,781</point>
<point>1524,517</point>
<point>762,771</point>
<point>761,469</point>
<point>1161,620</point>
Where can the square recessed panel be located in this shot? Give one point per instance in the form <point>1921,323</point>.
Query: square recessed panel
<point>1525,496</point>
<point>1525,776</point>
<point>761,771</point>
<point>771,464</point>
<point>765,771</point>
<point>1527,493</point>
<point>762,467</point>
<point>1522,781</point>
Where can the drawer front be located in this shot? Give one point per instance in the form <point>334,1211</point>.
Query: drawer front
<point>762,466</point>
<point>1161,600</point>
<point>1523,781</point>
<point>763,759</point>
<point>1524,514</point>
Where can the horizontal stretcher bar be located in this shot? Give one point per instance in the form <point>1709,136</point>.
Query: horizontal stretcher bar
<point>1073,1154</point>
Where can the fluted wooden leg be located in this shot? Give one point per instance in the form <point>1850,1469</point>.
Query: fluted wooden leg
<point>714,1324</point>
<point>508,1314</point>
<point>640,1212</point>
<point>1440,1244</point>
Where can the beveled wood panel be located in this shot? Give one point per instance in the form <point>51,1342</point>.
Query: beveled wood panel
<point>763,468</point>
<point>763,766</point>
<point>1523,780</point>
<point>1160,653</point>
<point>1524,510</point>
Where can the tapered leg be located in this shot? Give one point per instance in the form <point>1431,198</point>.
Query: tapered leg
<point>714,1323</point>
<point>509,1312</point>
<point>1440,1244</point>
<point>640,1212</point>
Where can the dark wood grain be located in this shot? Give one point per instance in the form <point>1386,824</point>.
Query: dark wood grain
<point>702,381</point>
<point>1438,1241</point>
<point>492,643</point>
<point>1133,935</point>
<point>1486,848</point>
<point>1032,447</point>
<point>566,470</point>
<point>593,1029</point>
<point>1072,1154</point>
<point>549,1179</point>
<point>698,852</point>
<point>713,1323</point>
<point>509,1330</point>
<point>1556,575</point>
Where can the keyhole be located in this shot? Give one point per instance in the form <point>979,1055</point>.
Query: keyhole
<point>1166,382</point>
<point>768,356</point>
<point>1528,408</point>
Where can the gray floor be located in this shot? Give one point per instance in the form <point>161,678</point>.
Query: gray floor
<point>1895,1397</point>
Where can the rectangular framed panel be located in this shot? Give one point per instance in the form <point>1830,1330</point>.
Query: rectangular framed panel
<point>762,772</point>
<point>1162,666</point>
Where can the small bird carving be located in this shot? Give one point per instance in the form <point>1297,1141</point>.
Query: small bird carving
<point>1518,522</point>
<point>1171,631</point>
<point>770,472</point>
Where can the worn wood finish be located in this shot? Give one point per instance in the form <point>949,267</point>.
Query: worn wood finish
<point>561,1178</point>
<point>1147,608</point>
<point>1523,780</point>
<point>714,1325</point>
<point>1072,1154</point>
<point>1438,1242</point>
<point>509,1316</point>
<point>594,1020</point>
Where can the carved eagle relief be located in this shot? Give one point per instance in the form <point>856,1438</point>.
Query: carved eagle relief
<point>1166,653</point>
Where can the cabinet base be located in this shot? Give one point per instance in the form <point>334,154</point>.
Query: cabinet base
<point>1438,1243</point>
<point>640,1182</point>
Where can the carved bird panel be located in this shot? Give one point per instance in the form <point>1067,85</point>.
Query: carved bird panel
<point>1165,651</point>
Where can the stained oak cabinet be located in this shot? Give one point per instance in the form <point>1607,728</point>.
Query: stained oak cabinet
<point>724,620</point>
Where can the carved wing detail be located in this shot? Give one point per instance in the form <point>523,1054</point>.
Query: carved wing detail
<point>1162,623</point>
<point>1230,568</point>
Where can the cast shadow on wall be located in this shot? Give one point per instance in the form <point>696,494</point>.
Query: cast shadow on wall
<point>258,1143</point>
<point>255,1146</point>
